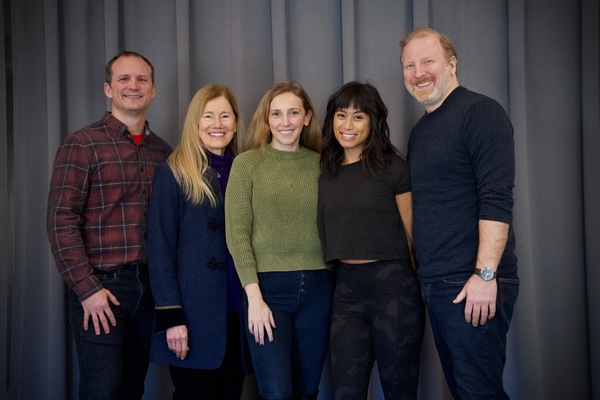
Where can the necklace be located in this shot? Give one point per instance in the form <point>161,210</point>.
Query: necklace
<point>218,171</point>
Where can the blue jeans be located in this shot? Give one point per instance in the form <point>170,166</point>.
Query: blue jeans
<point>301,305</point>
<point>473,358</point>
<point>114,365</point>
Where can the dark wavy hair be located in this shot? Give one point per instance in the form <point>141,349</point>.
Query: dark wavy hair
<point>378,148</point>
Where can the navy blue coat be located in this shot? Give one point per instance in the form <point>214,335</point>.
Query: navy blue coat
<point>187,260</point>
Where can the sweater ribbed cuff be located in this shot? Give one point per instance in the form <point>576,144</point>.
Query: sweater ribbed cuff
<point>169,317</point>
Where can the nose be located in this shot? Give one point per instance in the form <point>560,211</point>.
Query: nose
<point>286,119</point>
<point>218,121</point>
<point>133,83</point>
<point>419,71</point>
<point>348,123</point>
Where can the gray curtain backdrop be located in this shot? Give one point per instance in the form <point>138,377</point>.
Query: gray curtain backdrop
<point>538,58</point>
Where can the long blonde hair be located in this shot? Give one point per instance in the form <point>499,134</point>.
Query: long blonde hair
<point>259,132</point>
<point>189,161</point>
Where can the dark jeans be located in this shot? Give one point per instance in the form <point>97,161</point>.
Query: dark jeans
<point>301,305</point>
<point>114,365</point>
<point>378,314</point>
<point>473,358</point>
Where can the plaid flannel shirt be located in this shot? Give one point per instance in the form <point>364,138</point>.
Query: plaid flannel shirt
<point>98,201</point>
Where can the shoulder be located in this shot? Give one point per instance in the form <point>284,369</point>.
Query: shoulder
<point>159,142</point>
<point>163,178</point>
<point>163,170</point>
<point>89,134</point>
<point>398,166</point>
<point>314,158</point>
<point>397,161</point>
<point>477,102</point>
<point>249,159</point>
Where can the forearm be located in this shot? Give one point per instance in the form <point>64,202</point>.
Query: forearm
<point>492,240</point>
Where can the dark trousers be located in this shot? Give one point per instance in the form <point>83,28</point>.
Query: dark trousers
<point>292,363</point>
<point>473,358</point>
<point>223,383</point>
<point>114,365</point>
<point>378,314</point>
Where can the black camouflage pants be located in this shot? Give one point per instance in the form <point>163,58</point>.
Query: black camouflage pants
<point>378,314</point>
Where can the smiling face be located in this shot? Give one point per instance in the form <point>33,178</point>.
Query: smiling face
<point>351,128</point>
<point>429,76</point>
<point>131,88</point>
<point>217,125</point>
<point>287,119</point>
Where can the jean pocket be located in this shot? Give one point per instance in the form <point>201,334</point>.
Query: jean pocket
<point>508,291</point>
<point>455,282</point>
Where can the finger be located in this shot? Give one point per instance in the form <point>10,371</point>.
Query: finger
<point>468,312</point>
<point>112,298</point>
<point>484,315</point>
<point>261,335</point>
<point>96,324</point>
<point>254,332</point>
<point>105,323</point>
<point>111,316</point>
<point>461,296</point>
<point>492,311</point>
<point>476,315</point>
<point>184,352</point>
<point>269,332</point>
<point>86,318</point>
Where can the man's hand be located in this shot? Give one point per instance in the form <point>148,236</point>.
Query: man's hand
<point>97,307</point>
<point>481,300</point>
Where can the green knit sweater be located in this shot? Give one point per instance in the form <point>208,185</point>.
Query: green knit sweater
<point>271,212</point>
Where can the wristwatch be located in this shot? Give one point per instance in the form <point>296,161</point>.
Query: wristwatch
<point>487,274</point>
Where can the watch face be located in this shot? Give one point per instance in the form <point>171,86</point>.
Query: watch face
<point>487,274</point>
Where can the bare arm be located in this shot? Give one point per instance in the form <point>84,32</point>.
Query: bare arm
<point>404,203</point>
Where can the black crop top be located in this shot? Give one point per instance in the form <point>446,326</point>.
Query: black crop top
<point>358,216</point>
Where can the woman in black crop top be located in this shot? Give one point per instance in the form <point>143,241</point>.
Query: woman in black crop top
<point>365,218</point>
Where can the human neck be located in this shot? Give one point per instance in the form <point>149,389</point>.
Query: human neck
<point>135,122</point>
<point>351,156</point>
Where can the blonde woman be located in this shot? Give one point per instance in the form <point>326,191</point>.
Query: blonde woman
<point>271,227</point>
<point>196,290</point>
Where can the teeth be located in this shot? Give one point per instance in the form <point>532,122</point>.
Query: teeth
<point>423,84</point>
<point>216,134</point>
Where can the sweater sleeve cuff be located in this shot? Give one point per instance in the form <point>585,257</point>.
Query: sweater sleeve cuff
<point>166,318</point>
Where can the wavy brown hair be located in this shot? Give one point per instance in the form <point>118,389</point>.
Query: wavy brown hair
<point>259,132</point>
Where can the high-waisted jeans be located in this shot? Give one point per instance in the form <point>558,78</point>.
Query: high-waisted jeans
<point>301,305</point>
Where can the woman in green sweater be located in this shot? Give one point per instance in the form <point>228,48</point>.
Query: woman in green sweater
<point>271,230</point>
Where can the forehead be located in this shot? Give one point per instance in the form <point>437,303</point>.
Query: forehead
<point>422,46</point>
<point>217,103</point>
<point>286,100</point>
<point>130,65</point>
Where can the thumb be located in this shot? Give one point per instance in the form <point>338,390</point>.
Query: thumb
<point>461,296</point>
<point>112,298</point>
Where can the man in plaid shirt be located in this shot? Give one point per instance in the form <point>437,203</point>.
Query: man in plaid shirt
<point>97,227</point>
